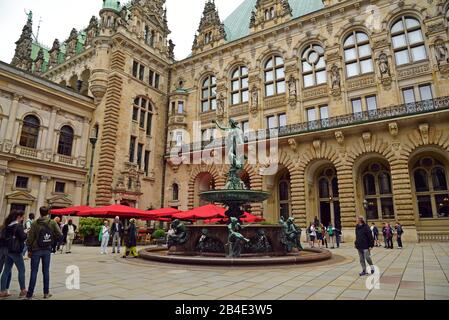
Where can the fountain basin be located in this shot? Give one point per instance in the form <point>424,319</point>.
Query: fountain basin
<point>234,196</point>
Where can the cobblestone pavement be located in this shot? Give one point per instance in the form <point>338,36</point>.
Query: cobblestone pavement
<point>419,271</point>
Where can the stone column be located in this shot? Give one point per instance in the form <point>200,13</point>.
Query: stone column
<point>78,196</point>
<point>42,192</point>
<point>51,131</point>
<point>84,139</point>
<point>12,119</point>
<point>3,173</point>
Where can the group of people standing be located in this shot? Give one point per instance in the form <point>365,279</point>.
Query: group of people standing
<point>36,238</point>
<point>323,236</point>
<point>388,233</point>
<point>118,232</point>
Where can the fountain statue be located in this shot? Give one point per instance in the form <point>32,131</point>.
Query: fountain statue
<point>177,234</point>
<point>235,238</point>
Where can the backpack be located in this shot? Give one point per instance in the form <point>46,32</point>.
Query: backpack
<point>45,237</point>
<point>14,245</point>
<point>330,230</point>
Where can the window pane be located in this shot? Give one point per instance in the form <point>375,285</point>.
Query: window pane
<point>371,103</point>
<point>356,105</point>
<point>442,202</point>
<point>366,66</point>
<point>269,76</point>
<point>439,179</point>
<point>372,213</point>
<point>324,188</point>
<point>415,37</point>
<point>321,77</point>
<point>424,207</point>
<point>205,106</point>
<point>235,85</point>
<point>398,26</point>
<point>269,90</point>
<point>384,183</point>
<point>235,74</point>
<point>350,54</point>
<point>349,41</point>
<point>279,61</point>
<point>244,71</point>
<point>324,112</point>
<point>205,94</point>
<point>282,120</point>
<point>419,53</point>
<point>269,64</point>
<point>364,50</point>
<point>308,80</point>
<point>421,182</point>
<point>306,67</point>
<point>409,95</point>
<point>425,92</point>
<point>280,87</point>
<point>370,184</point>
<point>352,69</point>
<point>213,80</point>
<point>280,73</point>
<point>213,91</point>
<point>399,41</point>
<point>271,121</point>
<point>235,98</point>
<point>321,63</point>
<point>213,104</point>
<point>335,191</point>
<point>311,114</point>
<point>387,208</point>
<point>402,57</point>
<point>361,37</point>
<point>244,83</point>
<point>410,23</point>
<point>245,96</point>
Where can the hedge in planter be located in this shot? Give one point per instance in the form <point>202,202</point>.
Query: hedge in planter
<point>89,229</point>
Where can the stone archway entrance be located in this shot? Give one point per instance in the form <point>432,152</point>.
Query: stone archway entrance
<point>203,182</point>
<point>328,197</point>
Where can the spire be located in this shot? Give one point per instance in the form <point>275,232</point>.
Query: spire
<point>211,29</point>
<point>22,56</point>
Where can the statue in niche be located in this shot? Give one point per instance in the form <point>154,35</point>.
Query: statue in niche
<point>335,77</point>
<point>292,86</point>
<point>384,67</point>
<point>441,52</point>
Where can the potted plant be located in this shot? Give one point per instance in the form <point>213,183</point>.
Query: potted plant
<point>90,229</point>
<point>159,237</point>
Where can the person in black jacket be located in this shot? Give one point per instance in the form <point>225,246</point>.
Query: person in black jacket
<point>131,240</point>
<point>399,233</point>
<point>117,231</point>
<point>364,242</point>
<point>15,239</point>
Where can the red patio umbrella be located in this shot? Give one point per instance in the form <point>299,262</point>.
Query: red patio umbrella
<point>209,211</point>
<point>246,217</point>
<point>114,210</point>
<point>69,211</point>
<point>163,214</point>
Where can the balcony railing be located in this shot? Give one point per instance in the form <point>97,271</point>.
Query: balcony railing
<point>387,113</point>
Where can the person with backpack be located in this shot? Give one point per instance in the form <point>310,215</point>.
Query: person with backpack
<point>15,240</point>
<point>27,229</point>
<point>4,254</point>
<point>40,239</point>
<point>331,235</point>
<point>399,233</point>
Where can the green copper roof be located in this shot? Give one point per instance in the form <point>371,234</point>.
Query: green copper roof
<point>111,4</point>
<point>237,23</point>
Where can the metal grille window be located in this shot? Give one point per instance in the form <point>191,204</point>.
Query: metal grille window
<point>274,76</point>
<point>65,143</point>
<point>357,54</point>
<point>408,41</point>
<point>209,94</point>
<point>239,85</point>
<point>59,187</point>
<point>313,66</point>
<point>30,132</point>
<point>22,182</point>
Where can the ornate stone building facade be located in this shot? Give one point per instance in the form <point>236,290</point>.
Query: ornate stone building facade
<point>357,92</point>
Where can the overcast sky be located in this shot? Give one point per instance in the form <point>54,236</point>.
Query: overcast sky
<point>60,16</point>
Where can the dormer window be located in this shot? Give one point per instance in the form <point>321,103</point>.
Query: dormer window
<point>269,14</point>
<point>208,38</point>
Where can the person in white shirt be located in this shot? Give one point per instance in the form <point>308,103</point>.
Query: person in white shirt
<point>312,234</point>
<point>104,233</point>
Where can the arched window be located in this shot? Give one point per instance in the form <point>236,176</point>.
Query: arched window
<point>143,114</point>
<point>313,66</point>
<point>65,143</point>
<point>209,94</point>
<point>239,85</point>
<point>175,191</point>
<point>274,76</point>
<point>30,132</point>
<point>208,37</point>
<point>284,196</point>
<point>377,190</point>
<point>408,41</point>
<point>432,194</point>
<point>358,57</point>
<point>329,201</point>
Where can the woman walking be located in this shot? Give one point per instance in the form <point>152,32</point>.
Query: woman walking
<point>104,236</point>
<point>15,240</point>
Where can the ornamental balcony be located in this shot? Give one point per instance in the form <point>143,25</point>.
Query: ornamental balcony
<point>372,116</point>
<point>177,120</point>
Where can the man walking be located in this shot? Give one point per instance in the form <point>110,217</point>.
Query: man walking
<point>364,242</point>
<point>40,238</point>
<point>399,233</point>
<point>68,234</point>
<point>117,234</point>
